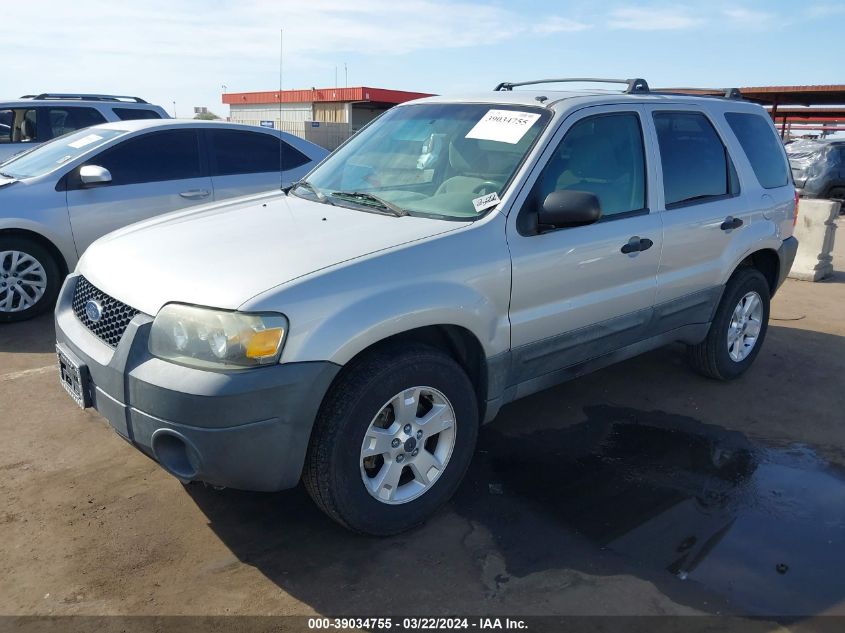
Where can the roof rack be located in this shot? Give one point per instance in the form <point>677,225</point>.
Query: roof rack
<point>634,86</point>
<point>721,93</point>
<point>46,96</point>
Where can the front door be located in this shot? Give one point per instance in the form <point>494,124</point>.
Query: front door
<point>151,174</point>
<point>585,291</point>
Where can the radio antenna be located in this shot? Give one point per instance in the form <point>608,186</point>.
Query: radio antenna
<point>279,97</point>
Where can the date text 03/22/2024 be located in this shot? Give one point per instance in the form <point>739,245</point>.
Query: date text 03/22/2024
<point>417,624</point>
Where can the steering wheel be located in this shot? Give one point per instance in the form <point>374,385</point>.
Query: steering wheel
<point>488,186</point>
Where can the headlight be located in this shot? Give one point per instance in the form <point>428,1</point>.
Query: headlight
<point>216,339</point>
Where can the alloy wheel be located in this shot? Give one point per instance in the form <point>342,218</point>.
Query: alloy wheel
<point>23,281</point>
<point>407,445</point>
<point>744,328</point>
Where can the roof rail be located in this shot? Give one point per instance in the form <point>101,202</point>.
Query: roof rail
<point>721,93</point>
<point>635,86</point>
<point>45,96</point>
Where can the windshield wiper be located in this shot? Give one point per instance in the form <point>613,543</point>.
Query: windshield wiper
<point>6,175</point>
<point>359,196</point>
<point>307,185</point>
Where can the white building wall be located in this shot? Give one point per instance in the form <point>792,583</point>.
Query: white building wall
<point>296,118</point>
<point>252,114</point>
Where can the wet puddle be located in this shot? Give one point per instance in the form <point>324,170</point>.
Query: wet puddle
<point>763,527</point>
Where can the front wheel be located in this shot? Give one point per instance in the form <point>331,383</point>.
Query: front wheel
<point>738,329</point>
<point>393,440</point>
<point>29,279</point>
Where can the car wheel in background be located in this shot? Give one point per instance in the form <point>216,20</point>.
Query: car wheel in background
<point>393,439</point>
<point>29,279</point>
<point>738,328</point>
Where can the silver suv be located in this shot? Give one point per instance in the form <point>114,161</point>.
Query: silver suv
<point>34,119</point>
<point>453,256</point>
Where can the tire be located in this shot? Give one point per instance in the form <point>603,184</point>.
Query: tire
<point>39,284</point>
<point>712,357</point>
<point>336,467</point>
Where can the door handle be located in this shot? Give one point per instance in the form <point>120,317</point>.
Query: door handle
<point>636,245</point>
<point>195,194</point>
<point>731,223</point>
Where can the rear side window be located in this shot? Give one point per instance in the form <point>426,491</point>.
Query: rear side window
<point>135,114</point>
<point>696,165</point>
<point>61,121</point>
<point>238,152</point>
<point>761,146</point>
<point>155,157</point>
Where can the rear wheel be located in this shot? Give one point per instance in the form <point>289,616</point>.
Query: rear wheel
<point>29,279</point>
<point>738,329</point>
<point>393,440</point>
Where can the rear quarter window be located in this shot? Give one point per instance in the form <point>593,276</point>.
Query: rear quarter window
<point>762,147</point>
<point>135,114</point>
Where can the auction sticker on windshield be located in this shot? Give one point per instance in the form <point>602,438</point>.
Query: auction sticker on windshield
<point>85,140</point>
<point>485,202</point>
<point>505,126</point>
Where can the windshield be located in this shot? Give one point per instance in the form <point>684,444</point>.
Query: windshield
<point>50,156</point>
<point>443,160</point>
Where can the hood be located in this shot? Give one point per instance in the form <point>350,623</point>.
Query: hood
<point>221,255</point>
<point>7,181</point>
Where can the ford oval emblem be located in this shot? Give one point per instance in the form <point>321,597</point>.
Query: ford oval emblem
<point>94,311</point>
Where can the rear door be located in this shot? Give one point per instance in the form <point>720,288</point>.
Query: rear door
<point>582,292</point>
<point>153,173</point>
<point>702,211</point>
<point>244,162</point>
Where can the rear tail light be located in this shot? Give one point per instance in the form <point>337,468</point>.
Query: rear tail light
<point>795,210</point>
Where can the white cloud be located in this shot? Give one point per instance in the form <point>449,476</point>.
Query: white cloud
<point>652,19</point>
<point>249,28</point>
<point>557,24</point>
<point>824,10</point>
<point>740,16</point>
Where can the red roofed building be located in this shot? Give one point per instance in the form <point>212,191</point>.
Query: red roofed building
<point>326,116</point>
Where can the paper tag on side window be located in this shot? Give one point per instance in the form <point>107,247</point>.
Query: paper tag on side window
<point>505,126</point>
<point>85,140</point>
<point>486,201</point>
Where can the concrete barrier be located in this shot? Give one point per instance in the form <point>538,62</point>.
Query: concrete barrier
<point>815,232</point>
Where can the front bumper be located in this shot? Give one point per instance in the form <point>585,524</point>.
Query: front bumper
<point>245,429</point>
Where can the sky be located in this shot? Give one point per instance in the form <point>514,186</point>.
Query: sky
<point>185,51</point>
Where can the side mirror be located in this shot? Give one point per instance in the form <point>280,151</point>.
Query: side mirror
<point>94,175</point>
<point>567,208</point>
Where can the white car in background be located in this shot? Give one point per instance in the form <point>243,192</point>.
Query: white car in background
<point>27,122</point>
<point>58,198</point>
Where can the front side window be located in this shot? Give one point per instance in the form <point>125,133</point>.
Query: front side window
<point>58,152</point>
<point>696,165</point>
<point>762,147</point>
<point>63,121</point>
<point>154,157</point>
<point>238,152</point>
<point>443,160</point>
<point>602,155</point>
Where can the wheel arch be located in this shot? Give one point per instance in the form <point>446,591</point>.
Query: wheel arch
<point>43,241</point>
<point>458,342</point>
<point>767,261</point>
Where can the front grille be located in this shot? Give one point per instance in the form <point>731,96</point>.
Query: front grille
<point>116,315</point>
